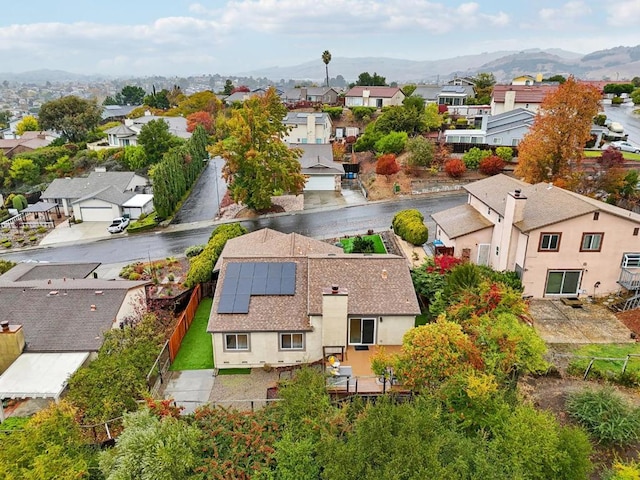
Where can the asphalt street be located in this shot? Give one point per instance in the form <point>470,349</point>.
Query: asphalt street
<point>320,224</point>
<point>629,120</point>
<point>203,203</point>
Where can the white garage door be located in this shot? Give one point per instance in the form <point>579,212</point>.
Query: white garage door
<point>321,182</point>
<point>96,214</point>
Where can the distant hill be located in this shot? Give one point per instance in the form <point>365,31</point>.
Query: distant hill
<point>44,76</point>
<point>619,62</point>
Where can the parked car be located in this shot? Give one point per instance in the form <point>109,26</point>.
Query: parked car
<point>118,225</point>
<point>625,146</point>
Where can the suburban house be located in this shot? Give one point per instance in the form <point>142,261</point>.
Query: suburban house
<point>509,97</point>
<point>455,95</point>
<point>53,320</point>
<point>127,134</point>
<point>560,243</point>
<point>526,80</point>
<point>100,197</point>
<point>504,129</point>
<point>27,142</point>
<point>307,127</point>
<point>323,95</point>
<point>242,96</point>
<point>285,299</point>
<point>466,81</point>
<point>373,97</point>
<point>119,113</point>
<point>318,167</point>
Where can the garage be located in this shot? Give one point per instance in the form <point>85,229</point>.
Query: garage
<point>321,182</point>
<point>96,214</point>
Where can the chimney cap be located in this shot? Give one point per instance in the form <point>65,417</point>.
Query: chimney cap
<point>4,325</point>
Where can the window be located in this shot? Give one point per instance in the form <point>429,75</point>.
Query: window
<point>497,140</point>
<point>236,341</point>
<point>630,260</point>
<point>549,242</point>
<point>292,341</point>
<point>591,242</point>
<point>635,231</point>
<point>596,215</point>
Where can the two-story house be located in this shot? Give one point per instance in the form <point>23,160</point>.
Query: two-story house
<point>307,127</point>
<point>560,243</point>
<point>377,97</point>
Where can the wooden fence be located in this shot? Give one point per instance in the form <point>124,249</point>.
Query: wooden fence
<point>184,321</point>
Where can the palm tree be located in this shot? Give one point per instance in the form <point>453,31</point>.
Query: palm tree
<point>326,58</point>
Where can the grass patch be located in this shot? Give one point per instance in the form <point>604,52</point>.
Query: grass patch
<point>607,369</point>
<point>234,371</point>
<point>598,153</point>
<point>378,246</point>
<point>140,225</point>
<point>196,351</point>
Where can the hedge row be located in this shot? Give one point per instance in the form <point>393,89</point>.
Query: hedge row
<point>201,266</point>
<point>409,225</point>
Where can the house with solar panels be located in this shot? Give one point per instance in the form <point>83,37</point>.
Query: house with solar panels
<point>285,299</point>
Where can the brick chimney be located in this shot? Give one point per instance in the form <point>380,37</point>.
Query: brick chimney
<point>11,344</point>
<point>335,302</point>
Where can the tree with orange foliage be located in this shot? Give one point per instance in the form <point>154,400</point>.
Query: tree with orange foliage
<point>561,129</point>
<point>387,165</point>
<point>201,118</point>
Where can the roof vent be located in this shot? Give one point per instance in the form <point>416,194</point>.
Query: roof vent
<point>98,292</point>
<point>4,325</point>
<point>517,193</point>
<point>334,289</point>
<point>52,293</point>
<point>93,308</point>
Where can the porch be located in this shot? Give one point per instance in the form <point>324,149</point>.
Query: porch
<point>354,375</point>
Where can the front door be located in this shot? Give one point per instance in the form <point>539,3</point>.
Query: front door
<point>563,282</point>
<point>362,331</point>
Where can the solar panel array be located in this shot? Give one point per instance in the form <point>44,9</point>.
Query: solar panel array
<point>244,279</point>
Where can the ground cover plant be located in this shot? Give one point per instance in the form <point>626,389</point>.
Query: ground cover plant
<point>376,244</point>
<point>196,350</point>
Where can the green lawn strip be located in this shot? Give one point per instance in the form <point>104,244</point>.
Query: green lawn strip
<point>598,153</point>
<point>606,367</point>
<point>378,246</point>
<point>234,371</point>
<point>196,351</point>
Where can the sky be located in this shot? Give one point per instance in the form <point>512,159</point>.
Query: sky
<point>183,37</point>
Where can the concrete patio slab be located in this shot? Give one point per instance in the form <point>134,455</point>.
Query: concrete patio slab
<point>190,388</point>
<point>558,323</point>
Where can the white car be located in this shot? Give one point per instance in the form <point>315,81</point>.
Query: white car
<point>118,225</point>
<point>625,146</point>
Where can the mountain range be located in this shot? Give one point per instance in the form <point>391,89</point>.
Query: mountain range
<point>610,64</point>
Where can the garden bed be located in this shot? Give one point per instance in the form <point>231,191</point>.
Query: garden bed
<point>167,276</point>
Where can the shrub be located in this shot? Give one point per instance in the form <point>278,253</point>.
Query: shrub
<point>6,265</point>
<point>334,112</point>
<point>41,230</point>
<point>362,245</point>
<point>20,202</point>
<point>393,142</point>
<point>409,225</point>
<point>194,250</point>
<point>491,165</point>
<point>606,416</point>
<point>362,113</point>
<point>474,156</point>
<point>33,238</point>
<point>505,153</point>
<point>387,165</point>
<point>617,101</point>
<point>339,150</point>
<point>134,276</point>
<point>455,167</point>
<point>350,139</point>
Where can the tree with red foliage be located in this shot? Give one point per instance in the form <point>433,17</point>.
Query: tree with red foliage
<point>201,118</point>
<point>442,264</point>
<point>454,167</point>
<point>387,165</point>
<point>611,157</point>
<point>491,165</point>
<point>241,88</point>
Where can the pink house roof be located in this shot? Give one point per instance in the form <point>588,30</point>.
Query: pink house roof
<point>524,93</point>
<point>379,92</point>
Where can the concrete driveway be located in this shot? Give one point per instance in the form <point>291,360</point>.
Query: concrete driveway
<point>558,323</point>
<point>326,199</point>
<point>69,233</point>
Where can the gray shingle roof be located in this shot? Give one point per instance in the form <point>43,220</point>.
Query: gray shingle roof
<point>317,158</point>
<point>109,194</point>
<point>460,220</point>
<point>121,131</point>
<point>46,271</point>
<point>75,188</point>
<point>493,190</point>
<point>297,118</point>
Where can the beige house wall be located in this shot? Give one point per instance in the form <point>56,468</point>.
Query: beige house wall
<point>95,203</point>
<point>133,305</point>
<point>390,330</point>
<point>334,321</point>
<point>603,266</point>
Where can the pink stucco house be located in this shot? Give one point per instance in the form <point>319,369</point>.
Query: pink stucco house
<point>560,243</point>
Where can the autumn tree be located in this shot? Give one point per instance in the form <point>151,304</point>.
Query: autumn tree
<point>387,165</point>
<point>27,124</point>
<point>562,127</point>
<point>258,162</point>
<point>201,118</point>
<point>72,116</point>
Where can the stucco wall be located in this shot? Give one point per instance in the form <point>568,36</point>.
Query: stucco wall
<point>390,330</point>
<point>133,305</point>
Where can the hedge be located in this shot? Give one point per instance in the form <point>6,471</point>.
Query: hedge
<point>201,266</point>
<point>409,225</point>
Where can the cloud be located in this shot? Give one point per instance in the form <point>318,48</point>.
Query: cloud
<point>566,13</point>
<point>623,13</point>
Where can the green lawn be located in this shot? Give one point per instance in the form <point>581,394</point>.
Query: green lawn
<point>378,246</point>
<point>234,371</point>
<point>597,153</point>
<point>605,368</point>
<point>196,351</point>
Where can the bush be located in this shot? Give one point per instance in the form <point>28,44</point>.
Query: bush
<point>491,165</point>
<point>606,416</point>
<point>409,225</point>
<point>474,156</point>
<point>41,230</point>
<point>387,165</point>
<point>393,142</point>
<point>362,245</point>
<point>350,139</point>
<point>362,113</point>
<point>20,202</point>
<point>617,101</point>
<point>505,153</point>
<point>194,250</point>
<point>334,112</point>
<point>455,167</point>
